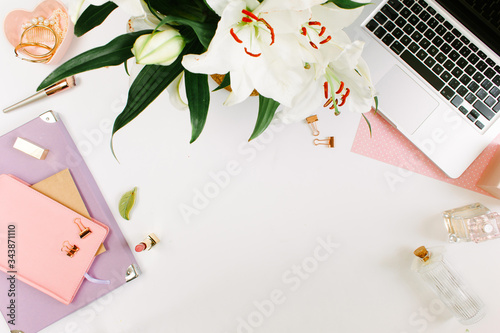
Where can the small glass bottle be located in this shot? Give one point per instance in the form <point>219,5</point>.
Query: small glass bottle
<point>471,223</point>
<point>447,284</point>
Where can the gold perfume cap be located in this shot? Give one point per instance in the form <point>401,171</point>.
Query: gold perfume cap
<point>422,253</point>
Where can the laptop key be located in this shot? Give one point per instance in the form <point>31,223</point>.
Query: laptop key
<point>433,50</point>
<point>398,33</point>
<point>457,44</point>
<point>413,20</point>
<point>424,15</point>
<point>482,55</point>
<point>470,70</point>
<point>440,30</point>
<point>446,76</point>
<point>431,11</point>
<point>497,68</point>
<point>441,57</point>
<point>432,23</point>
<point>445,48</point>
<point>408,29</point>
<point>430,62</point>
<point>496,108</point>
<point>429,34</point>
<point>405,12</point>
<point>437,69</point>
<point>481,65</point>
<point>388,39</point>
<point>372,25</point>
<point>470,98</point>
<point>424,43</point>
<point>416,8</point>
<point>490,62</point>
<point>495,92</point>
<point>473,86</point>
<point>481,94</point>
<point>421,26</point>
<point>405,40</point>
<point>496,80</point>
<point>465,51</point>
<point>413,47</point>
<point>448,37</point>
<point>465,40</point>
<point>457,72</point>
<point>400,22</point>
<point>389,12</point>
<point>380,18</point>
<point>447,92</point>
<point>465,79</point>
<point>454,55</point>
<point>454,83</point>
<point>423,3</point>
<point>397,47</point>
<point>395,4</point>
<point>389,25</point>
<point>462,91</point>
<point>462,63</point>
<point>416,36</point>
<point>449,65</point>
<point>439,18</point>
<point>456,101</point>
<point>473,47</point>
<point>484,110</point>
<point>463,110</point>
<point>486,84</point>
<point>448,25</point>
<point>438,41</point>
<point>422,70</point>
<point>490,101</point>
<point>456,32</point>
<point>478,77</point>
<point>473,115</point>
<point>479,124</point>
<point>489,73</point>
<point>473,58</point>
<point>380,32</point>
<point>421,54</point>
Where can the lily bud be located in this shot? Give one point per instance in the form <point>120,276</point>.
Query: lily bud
<point>158,48</point>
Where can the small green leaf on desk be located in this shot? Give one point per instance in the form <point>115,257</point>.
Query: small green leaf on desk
<point>126,203</point>
<point>92,17</point>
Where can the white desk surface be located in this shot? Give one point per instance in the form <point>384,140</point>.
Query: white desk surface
<point>258,239</point>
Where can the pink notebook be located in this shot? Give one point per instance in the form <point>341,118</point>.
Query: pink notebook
<point>51,246</point>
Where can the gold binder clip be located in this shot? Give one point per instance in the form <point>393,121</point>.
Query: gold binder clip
<point>84,231</point>
<point>313,125</point>
<point>329,141</point>
<point>69,249</point>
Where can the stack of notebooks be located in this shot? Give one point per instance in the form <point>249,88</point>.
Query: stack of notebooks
<point>55,230</point>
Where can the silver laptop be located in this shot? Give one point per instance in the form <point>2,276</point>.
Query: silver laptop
<point>436,68</point>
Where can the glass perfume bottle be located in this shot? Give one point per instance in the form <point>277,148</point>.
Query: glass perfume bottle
<point>473,222</point>
<point>448,286</point>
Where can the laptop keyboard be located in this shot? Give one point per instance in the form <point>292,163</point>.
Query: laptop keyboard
<point>446,59</point>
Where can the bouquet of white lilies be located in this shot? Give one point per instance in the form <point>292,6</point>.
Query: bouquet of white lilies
<point>294,53</point>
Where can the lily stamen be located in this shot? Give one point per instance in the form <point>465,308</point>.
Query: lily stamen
<point>247,19</point>
<point>344,97</point>
<point>340,88</point>
<point>248,13</point>
<point>235,36</point>
<point>326,40</point>
<point>304,31</point>
<point>313,45</point>
<point>325,87</point>
<point>314,23</point>
<point>252,54</point>
<point>323,29</point>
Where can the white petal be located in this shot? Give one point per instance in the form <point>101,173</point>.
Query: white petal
<point>174,92</point>
<point>333,17</point>
<point>131,7</point>
<point>74,8</point>
<point>279,5</point>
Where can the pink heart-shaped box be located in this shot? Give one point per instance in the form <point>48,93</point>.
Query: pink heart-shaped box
<point>13,25</point>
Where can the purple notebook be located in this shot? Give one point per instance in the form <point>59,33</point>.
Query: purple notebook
<point>35,310</point>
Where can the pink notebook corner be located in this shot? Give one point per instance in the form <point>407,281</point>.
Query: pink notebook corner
<point>388,145</point>
<point>36,229</point>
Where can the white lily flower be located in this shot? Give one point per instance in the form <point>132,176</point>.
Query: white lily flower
<point>131,7</point>
<point>159,47</point>
<point>337,74</point>
<point>257,48</point>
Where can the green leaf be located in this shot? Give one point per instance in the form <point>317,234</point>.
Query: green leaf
<point>376,103</point>
<point>112,54</point>
<point>348,4</point>
<point>198,95</point>
<point>150,82</point>
<point>368,123</point>
<point>92,17</point>
<point>127,201</point>
<point>267,108</point>
<point>226,82</point>
<point>205,31</point>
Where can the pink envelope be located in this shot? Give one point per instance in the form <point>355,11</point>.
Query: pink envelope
<point>40,233</point>
<point>388,145</point>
